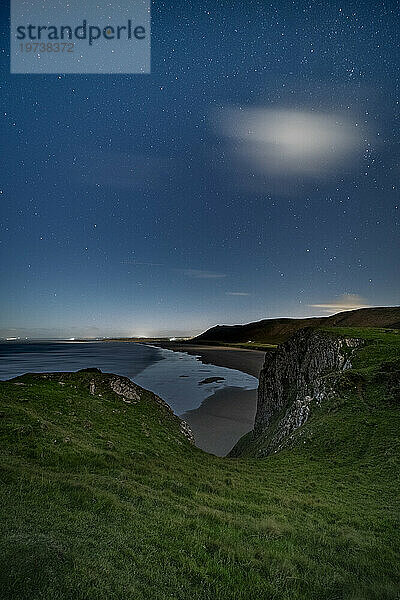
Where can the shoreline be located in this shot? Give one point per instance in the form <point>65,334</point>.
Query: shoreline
<point>227,414</point>
<point>222,419</point>
<point>248,361</point>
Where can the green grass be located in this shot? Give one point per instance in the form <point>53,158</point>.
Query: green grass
<point>245,345</point>
<point>106,500</point>
<point>253,346</point>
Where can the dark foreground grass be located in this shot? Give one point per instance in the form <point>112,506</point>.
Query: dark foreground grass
<point>105,500</point>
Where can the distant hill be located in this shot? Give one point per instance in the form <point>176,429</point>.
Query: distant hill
<point>275,331</point>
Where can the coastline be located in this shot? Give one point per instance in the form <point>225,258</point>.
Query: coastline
<point>225,416</point>
<point>248,361</point>
<point>222,419</point>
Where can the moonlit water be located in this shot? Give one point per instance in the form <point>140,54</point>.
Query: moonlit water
<point>176,379</point>
<point>174,376</point>
<point>41,357</point>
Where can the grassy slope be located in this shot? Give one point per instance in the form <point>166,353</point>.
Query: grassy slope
<point>264,346</point>
<point>276,331</point>
<point>104,500</point>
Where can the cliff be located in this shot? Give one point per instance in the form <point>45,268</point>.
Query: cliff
<point>294,381</point>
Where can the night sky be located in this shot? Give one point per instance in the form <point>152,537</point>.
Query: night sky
<point>252,174</point>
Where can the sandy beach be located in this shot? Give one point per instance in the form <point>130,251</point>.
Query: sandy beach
<point>224,417</point>
<point>248,361</point>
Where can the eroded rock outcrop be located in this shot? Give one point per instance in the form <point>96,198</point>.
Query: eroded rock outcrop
<point>296,378</point>
<point>132,394</point>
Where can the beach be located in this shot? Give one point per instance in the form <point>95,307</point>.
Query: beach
<point>222,419</point>
<point>248,361</point>
<point>225,416</point>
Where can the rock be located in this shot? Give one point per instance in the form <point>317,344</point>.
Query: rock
<point>187,432</point>
<point>212,380</point>
<point>125,387</point>
<point>295,379</point>
<point>130,393</point>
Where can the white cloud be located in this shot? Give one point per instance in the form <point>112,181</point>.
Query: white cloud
<point>237,294</point>
<point>343,303</point>
<point>290,142</point>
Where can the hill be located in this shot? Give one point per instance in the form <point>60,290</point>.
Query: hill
<point>103,495</point>
<point>275,331</point>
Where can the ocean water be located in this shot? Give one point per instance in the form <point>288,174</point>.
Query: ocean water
<point>174,376</point>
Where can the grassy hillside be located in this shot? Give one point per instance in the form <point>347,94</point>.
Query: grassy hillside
<point>276,331</point>
<point>101,499</point>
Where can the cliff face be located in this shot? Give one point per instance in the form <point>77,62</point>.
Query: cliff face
<point>294,380</point>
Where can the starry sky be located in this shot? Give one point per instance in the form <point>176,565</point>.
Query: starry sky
<point>252,174</point>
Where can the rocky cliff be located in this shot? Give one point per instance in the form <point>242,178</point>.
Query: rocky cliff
<point>296,379</point>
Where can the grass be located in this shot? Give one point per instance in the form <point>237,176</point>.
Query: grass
<point>253,346</point>
<point>245,345</point>
<point>106,500</point>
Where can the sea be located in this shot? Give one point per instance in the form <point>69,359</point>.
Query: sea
<point>177,377</point>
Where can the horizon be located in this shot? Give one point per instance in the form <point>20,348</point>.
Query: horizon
<point>178,335</point>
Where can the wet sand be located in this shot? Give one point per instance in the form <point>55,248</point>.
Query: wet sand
<point>248,361</point>
<point>222,419</point>
<point>229,413</point>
